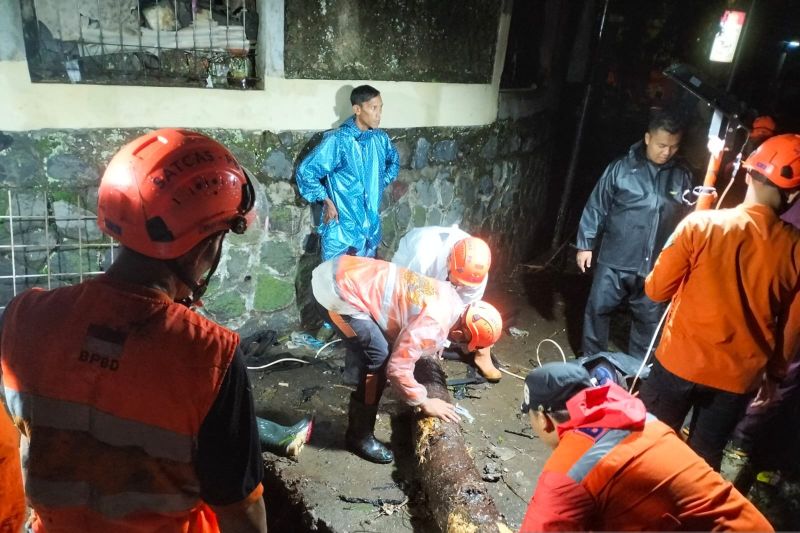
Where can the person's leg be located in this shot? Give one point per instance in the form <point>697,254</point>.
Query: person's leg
<point>667,396</point>
<point>645,315</point>
<point>605,296</point>
<point>715,415</point>
<point>757,420</point>
<point>366,339</point>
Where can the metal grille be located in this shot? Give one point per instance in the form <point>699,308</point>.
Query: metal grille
<point>48,240</point>
<point>206,43</point>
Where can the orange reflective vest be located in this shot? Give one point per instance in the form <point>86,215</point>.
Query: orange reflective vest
<point>12,497</point>
<point>109,385</point>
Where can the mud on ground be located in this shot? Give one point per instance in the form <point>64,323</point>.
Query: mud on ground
<point>330,489</point>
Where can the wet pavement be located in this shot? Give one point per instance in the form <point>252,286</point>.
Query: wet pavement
<point>330,489</point>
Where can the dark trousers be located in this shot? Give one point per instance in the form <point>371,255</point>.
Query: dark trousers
<point>369,349</point>
<point>714,412</point>
<point>765,422</point>
<point>610,289</point>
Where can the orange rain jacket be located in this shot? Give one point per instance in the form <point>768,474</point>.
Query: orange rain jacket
<point>733,276</point>
<point>616,468</point>
<point>111,395</point>
<point>415,312</point>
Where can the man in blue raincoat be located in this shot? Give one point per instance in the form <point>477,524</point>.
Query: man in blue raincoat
<point>359,161</point>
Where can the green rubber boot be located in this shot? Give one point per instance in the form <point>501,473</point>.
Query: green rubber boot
<point>286,441</point>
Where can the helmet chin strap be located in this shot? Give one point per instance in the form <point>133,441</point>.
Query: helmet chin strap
<point>197,289</point>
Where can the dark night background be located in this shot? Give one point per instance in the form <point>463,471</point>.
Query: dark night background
<point>639,40</point>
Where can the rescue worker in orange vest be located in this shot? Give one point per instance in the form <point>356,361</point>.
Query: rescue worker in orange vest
<point>392,316</point>
<point>451,254</point>
<point>734,324</point>
<point>136,411</point>
<point>617,468</point>
<point>12,495</point>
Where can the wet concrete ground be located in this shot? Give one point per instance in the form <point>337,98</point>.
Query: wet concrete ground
<point>330,489</point>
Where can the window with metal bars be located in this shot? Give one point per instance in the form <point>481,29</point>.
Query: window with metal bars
<point>49,239</point>
<point>176,43</point>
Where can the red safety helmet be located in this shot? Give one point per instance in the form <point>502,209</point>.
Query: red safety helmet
<point>167,190</point>
<point>469,262</point>
<point>778,160</point>
<point>484,323</point>
<point>763,127</point>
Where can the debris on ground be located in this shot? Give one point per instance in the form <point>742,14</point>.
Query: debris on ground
<point>299,339</point>
<point>517,333</point>
<point>491,473</point>
<point>465,413</point>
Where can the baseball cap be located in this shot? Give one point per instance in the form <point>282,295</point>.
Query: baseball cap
<point>548,387</point>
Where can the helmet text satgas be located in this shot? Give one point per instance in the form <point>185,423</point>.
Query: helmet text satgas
<point>167,190</point>
<point>183,164</point>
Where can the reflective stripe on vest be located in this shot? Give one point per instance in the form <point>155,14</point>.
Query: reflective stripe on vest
<point>111,387</point>
<point>104,427</point>
<point>387,302</point>
<point>602,447</point>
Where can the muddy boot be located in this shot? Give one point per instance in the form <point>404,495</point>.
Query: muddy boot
<point>286,441</point>
<point>360,435</point>
<point>483,361</point>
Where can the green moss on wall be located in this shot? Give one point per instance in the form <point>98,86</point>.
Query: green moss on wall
<point>272,293</point>
<point>227,306</point>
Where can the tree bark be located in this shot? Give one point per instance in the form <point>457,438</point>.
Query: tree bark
<point>457,497</point>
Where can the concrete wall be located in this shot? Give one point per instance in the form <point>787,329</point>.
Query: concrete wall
<point>489,176</point>
<point>426,40</point>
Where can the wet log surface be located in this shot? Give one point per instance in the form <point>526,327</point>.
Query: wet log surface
<point>457,497</point>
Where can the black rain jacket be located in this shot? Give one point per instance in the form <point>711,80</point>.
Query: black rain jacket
<point>633,209</point>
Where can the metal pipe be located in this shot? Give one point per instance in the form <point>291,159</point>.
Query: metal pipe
<point>576,147</point>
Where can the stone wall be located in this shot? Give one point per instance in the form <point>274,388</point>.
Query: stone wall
<point>491,180</point>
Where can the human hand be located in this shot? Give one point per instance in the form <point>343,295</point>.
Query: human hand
<point>329,212</point>
<point>584,259</point>
<point>440,409</point>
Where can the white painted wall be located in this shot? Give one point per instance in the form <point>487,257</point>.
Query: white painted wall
<point>283,104</point>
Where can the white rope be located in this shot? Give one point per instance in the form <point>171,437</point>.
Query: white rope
<point>292,359</point>
<point>649,349</point>
<point>511,373</point>
<point>334,341</point>
<point>563,357</point>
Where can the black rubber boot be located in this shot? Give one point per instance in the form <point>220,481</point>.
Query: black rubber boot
<point>360,435</point>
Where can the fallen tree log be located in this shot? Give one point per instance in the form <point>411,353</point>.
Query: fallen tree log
<point>457,497</point>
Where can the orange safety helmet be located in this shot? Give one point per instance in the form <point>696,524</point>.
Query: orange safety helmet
<point>167,190</point>
<point>469,262</point>
<point>484,323</point>
<point>778,160</point>
<point>763,127</point>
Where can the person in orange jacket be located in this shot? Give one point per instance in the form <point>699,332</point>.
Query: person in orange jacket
<point>615,467</point>
<point>12,495</point>
<point>734,323</point>
<point>136,411</point>
<point>391,316</point>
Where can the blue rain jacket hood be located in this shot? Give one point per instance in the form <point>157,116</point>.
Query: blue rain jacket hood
<point>352,168</point>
